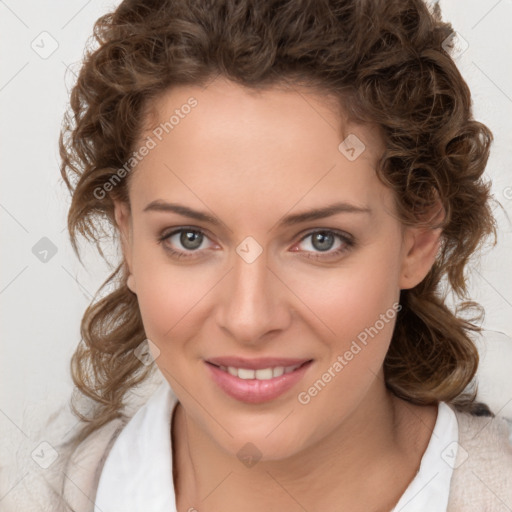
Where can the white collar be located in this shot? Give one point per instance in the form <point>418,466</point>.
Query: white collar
<point>137,474</point>
<point>430,488</point>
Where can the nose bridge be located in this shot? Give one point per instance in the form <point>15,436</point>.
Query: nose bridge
<point>252,304</point>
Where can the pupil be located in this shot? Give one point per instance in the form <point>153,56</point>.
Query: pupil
<point>190,239</point>
<point>323,242</point>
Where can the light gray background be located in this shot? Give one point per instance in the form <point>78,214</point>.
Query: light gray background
<point>42,302</point>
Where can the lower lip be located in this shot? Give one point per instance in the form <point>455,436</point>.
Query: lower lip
<point>254,391</point>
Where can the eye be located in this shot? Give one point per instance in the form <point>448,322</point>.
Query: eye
<point>184,242</point>
<point>189,242</point>
<point>325,243</point>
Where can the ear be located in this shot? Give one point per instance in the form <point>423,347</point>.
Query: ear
<point>123,219</point>
<point>421,245</point>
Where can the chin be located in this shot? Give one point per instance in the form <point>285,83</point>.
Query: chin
<point>267,439</point>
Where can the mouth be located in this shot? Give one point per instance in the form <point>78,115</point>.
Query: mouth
<point>256,380</point>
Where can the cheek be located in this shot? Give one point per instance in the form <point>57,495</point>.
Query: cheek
<point>362,313</point>
<point>346,300</point>
<point>170,296</point>
<point>357,305</point>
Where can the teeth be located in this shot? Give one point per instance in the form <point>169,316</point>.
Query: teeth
<point>243,373</point>
<point>262,374</point>
<point>278,371</point>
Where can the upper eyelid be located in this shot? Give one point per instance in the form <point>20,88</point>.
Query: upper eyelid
<point>180,229</point>
<point>337,232</point>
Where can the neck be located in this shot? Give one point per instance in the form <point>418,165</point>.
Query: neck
<point>372,449</point>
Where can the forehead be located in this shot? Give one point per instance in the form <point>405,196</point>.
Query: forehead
<point>227,143</point>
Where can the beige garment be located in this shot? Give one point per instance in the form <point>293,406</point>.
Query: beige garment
<point>481,481</point>
<point>482,475</point>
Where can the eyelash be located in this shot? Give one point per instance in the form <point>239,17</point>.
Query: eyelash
<point>346,239</point>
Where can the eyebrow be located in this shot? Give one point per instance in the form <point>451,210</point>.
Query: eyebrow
<point>288,220</point>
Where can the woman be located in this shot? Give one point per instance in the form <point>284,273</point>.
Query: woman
<point>290,182</point>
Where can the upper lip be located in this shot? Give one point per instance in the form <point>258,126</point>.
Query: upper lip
<point>257,363</point>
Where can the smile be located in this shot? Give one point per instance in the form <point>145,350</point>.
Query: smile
<point>264,382</point>
<point>262,374</point>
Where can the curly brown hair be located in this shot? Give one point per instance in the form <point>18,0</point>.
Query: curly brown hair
<point>386,62</point>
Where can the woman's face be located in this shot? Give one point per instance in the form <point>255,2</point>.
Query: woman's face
<point>242,273</point>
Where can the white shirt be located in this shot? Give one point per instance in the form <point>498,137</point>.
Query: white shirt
<point>137,474</point>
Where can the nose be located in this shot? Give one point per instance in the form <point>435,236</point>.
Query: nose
<point>254,305</point>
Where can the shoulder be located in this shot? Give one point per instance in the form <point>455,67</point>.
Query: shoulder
<point>51,474</point>
<point>83,465</point>
<point>482,470</point>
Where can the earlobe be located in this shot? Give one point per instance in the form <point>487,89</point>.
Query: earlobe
<point>130,283</point>
<point>422,246</point>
